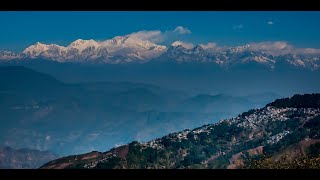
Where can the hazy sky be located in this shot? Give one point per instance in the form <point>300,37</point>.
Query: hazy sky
<point>20,29</point>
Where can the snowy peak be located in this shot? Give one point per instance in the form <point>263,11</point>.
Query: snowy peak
<point>238,49</point>
<point>133,42</point>
<point>180,48</point>
<point>135,48</point>
<point>232,57</point>
<point>188,53</point>
<point>183,44</point>
<point>8,55</point>
<point>117,41</point>
<point>197,49</point>
<point>177,48</point>
<point>81,44</point>
<point>120,48</point>
<point>35,50</point>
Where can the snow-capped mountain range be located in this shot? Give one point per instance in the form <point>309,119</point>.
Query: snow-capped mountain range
<point>126,49</point>
<point>118,49</point>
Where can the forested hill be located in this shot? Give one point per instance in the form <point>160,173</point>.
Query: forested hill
<point>298,101</point>
<point>285,128</point>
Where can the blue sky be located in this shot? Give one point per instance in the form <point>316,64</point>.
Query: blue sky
<point>20,29</point>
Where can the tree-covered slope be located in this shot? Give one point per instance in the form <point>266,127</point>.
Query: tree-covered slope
<point>231,143</point>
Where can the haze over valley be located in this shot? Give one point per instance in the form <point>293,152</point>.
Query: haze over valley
<point>112,83</point>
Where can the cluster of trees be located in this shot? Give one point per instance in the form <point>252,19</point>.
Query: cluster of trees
<point>298,101</point>
<point>304,162</point>
<point>314,150</point>
<point>244,114</point>
<point>289,139</point>
<point>311,160</point>
<point>314,126</point>
<point>112,163</point>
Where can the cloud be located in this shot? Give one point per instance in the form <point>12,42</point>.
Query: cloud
<point>152,36</point>
<point>181,30</point>
<point>308,51</point>
<point>213,47</point>
<point>183,44</point>
<point>209,45</point>
<point>277,48</point>
<point>238,27</point>
<point>270,22</point>
<point>274,48</point>
<point>157,36</point>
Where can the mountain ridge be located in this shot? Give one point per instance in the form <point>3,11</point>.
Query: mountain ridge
<point>71,118</point>
<point>131,49</point>
<point>227,144</point>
